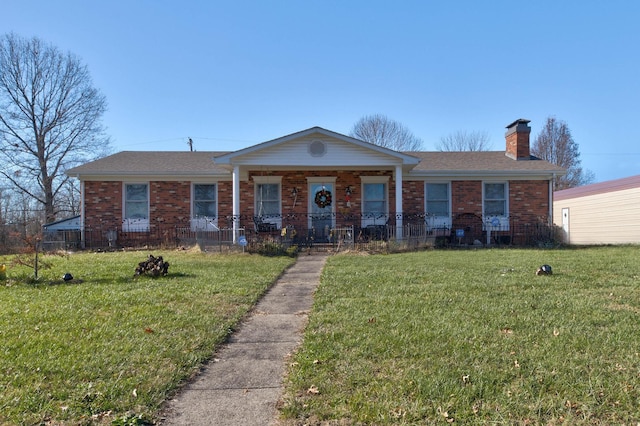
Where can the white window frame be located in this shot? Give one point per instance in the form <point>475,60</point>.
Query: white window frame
<point>382,220</point>
<point>268,180</point>
<point>491,221</point>
<point>135,224</point>
<point>441,223</point>
<point>203,223</point>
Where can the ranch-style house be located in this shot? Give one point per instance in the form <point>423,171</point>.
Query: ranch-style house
<point>314,183</point>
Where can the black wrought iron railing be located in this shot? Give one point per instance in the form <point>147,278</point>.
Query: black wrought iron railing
<point>336,231</point>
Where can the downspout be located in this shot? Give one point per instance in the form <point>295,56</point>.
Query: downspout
<point>236,202</point>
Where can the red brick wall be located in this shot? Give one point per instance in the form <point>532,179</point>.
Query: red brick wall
<point>412,196</point>
<point>103,204</point>
<point>225,200</point>
<point>170,201</point>
<point>529,200</point>
<point>466,197</point>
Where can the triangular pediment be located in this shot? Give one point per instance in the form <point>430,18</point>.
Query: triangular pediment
<point>316,147</point>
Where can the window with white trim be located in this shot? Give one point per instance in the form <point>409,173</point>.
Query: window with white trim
<point>375,200</point>
<point>438,205</point>
<point>136,207</point>
<point>495,204</point>
<point>268,206</point>
<point>204,207</point>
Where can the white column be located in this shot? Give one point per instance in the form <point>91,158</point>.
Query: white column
<point>236,202</point>
<point>399,212</point>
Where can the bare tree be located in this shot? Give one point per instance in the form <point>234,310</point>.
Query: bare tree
<point>50,118</point>
<point>555,144</point>
<point>464,141</point>
<point>68,201</point>
<point>383,131</point>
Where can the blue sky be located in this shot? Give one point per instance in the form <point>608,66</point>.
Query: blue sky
<point>235,73</point>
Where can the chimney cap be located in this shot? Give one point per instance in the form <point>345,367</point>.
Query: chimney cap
<point>519,121</point>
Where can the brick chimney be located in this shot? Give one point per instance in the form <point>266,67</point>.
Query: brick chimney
<point>517,137</point>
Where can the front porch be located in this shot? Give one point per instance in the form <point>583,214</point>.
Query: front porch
<point>338,232</point>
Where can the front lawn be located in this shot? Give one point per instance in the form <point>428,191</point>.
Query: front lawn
<point>110,346</point>
<point>472,337</point>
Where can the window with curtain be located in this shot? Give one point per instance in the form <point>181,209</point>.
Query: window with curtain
<point>437,207</point>
<point>268,200</point>
<point>205,208</point>
<point>437,199</point>
<point>204,200</point>
<point>374,204</point>
<point>495,199</point>
<point>136,207</point>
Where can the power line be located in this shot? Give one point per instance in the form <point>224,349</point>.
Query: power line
<point>610,153</point>
<point>186,138</point>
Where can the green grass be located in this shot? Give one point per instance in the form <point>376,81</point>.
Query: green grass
<point>472,337</point>
<point>112,345</point>
<point>469,337</point>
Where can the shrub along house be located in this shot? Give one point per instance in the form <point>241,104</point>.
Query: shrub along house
<point>315,181</point>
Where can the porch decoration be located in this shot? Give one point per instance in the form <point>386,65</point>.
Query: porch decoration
<point>323,198</point>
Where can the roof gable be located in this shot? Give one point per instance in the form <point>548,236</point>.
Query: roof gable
<point>316,147</point>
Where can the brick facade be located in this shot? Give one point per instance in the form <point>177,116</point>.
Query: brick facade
<point>103,204</point>
<point>170,201</point>
<point>529,201</point>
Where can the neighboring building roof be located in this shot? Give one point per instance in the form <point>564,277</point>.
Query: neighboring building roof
<point>598,188</point>
<point>70,223</point>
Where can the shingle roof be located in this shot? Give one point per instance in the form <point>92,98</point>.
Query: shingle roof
<point>479,161</point>
<point>187,163</point>
<point>153,162</point>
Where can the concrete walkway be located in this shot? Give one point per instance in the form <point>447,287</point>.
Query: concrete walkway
<point>242,385</point>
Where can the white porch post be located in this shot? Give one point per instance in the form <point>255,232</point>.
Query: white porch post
<point>399,212</point>
<point>236,202</point>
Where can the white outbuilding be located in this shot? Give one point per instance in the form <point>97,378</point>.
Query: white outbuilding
<point>601,213</point>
